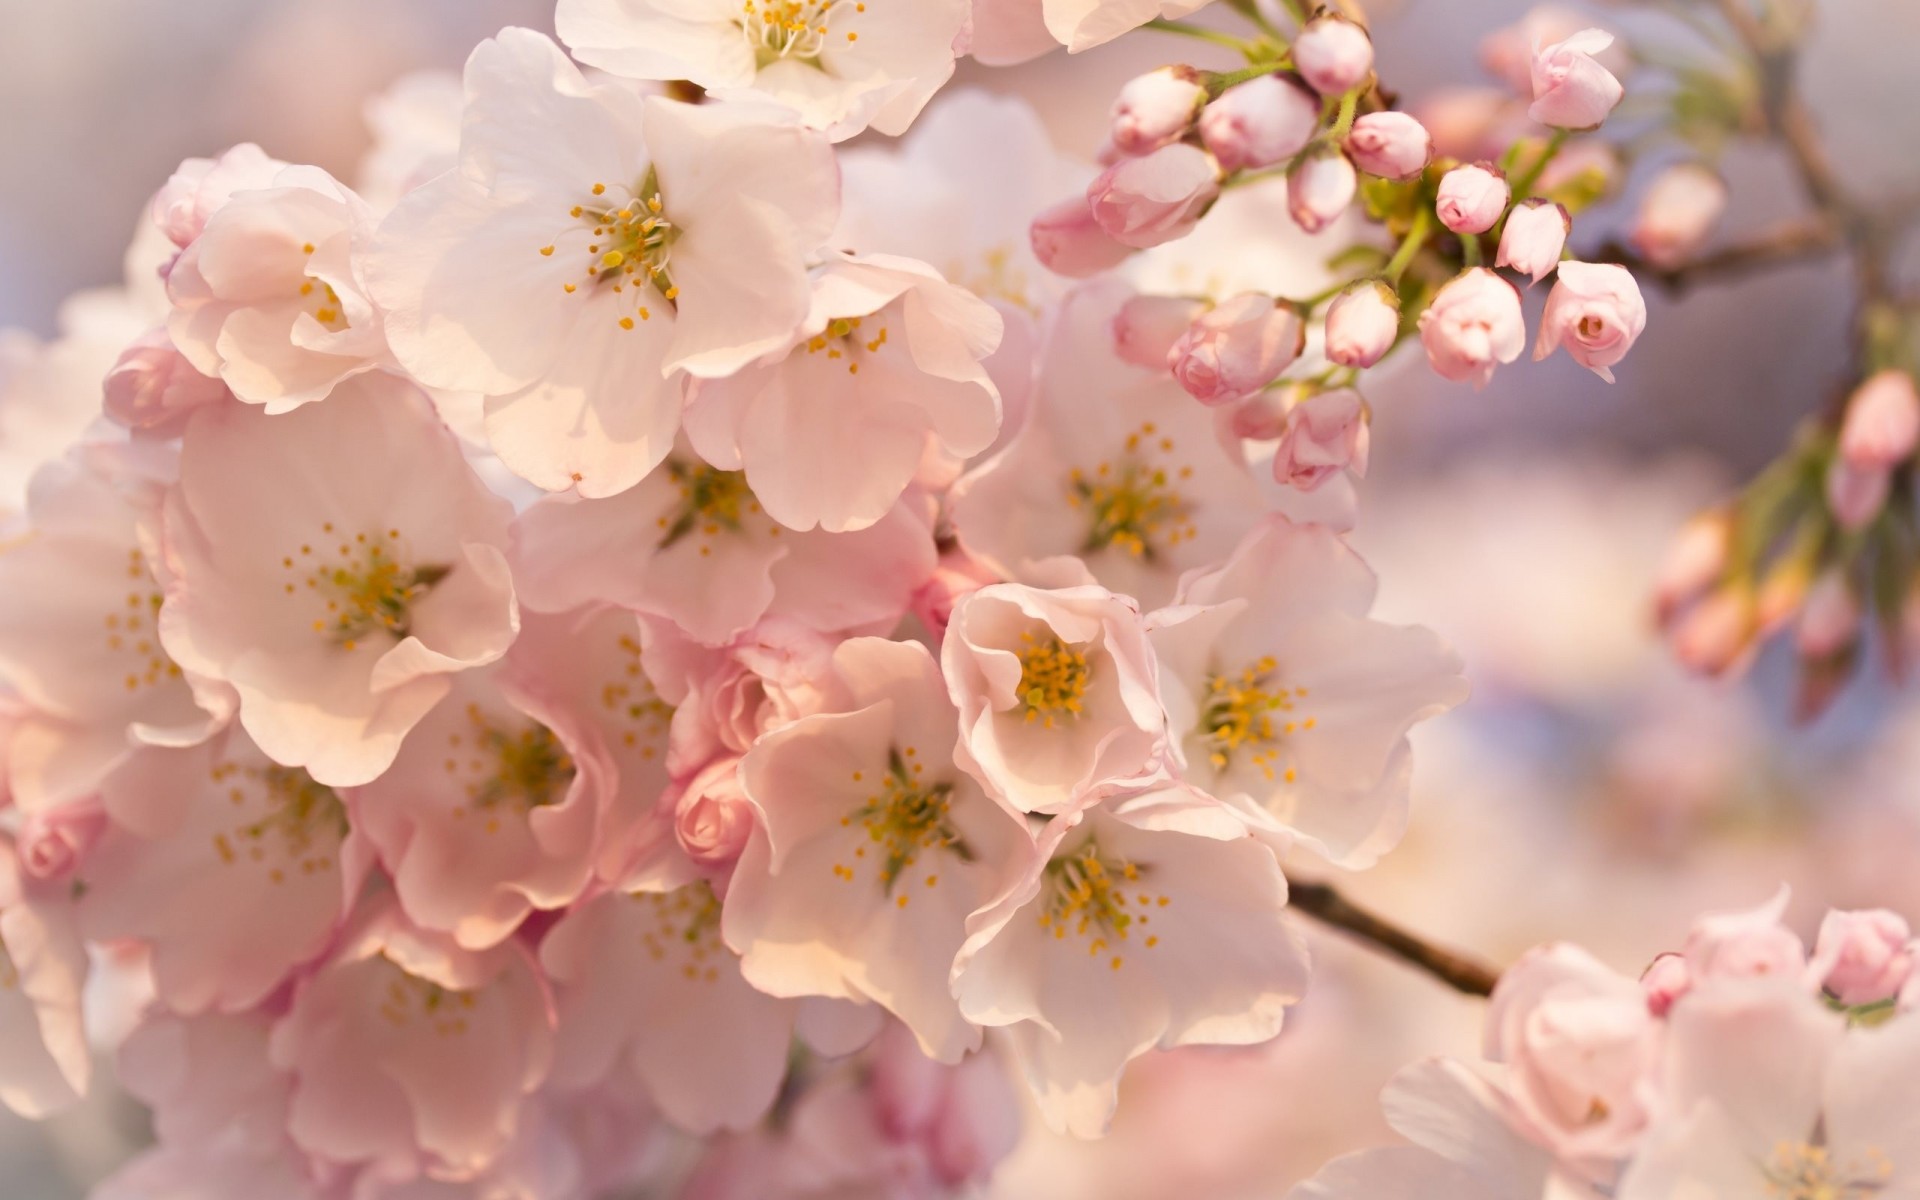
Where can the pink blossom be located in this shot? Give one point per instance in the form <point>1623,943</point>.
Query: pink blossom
<point>1260,123</point>
<point>1146,328</point>
<point>1146,201</point>
<point>1864,957</point>
<point>200,186</point>
<point>1715,635</point>
<point>1325,435</point>
<point>1069,241</point>
<point>1333,54</point>
<point>1678,214</point>
<point>1469,123</point>
<point>1363,323</point>
<point>44,1062</point>
<point>712,817</point>
<point>1856,495</point>
<point>54,842</point>
<point>1750,944</point>
<point>1597,311</point>
<point>1666,979</point>
<point>1471,198</point>
<point>1155,109</point>
<point>1570,89</point>
<point>153,387</point>
<point>1393,145</point>
<point>1507,53</point>
<point>1695,561</point>
<point>1473,325</point>
<point>1535,234</point>
<point>1882,423</point>
<point>1830,620</point>
<point>1237,347</point>
<point>1319,188</point>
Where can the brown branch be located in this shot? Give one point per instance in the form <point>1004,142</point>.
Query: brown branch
<point>1457,971</point>
<point>1784,245</point>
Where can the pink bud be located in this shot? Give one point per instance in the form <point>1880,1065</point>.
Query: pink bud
<point>1535,235</point>
<point>1588,162</point>
<point>1864,957</point>
<point>202,185</point>
<point>1677,215</point>
<point>1882,425</point>
<point>1146,327</point>
<point>1665,981</point>
<point>1468,123</point>
<point>53,842</point>
<point>1746,945</point>
<point>1261,417</point>
<point>1334,55</point>
<point>1597,311</point>
<point>1259,123</point>
<point>1471,198</point>
<point>1830,621</point>
<point>1155,109</point>
<point>1237,348</point>
<point>1363,322</point>
<point>1570,89</point>
<point>1325,435</point>
<point>153,388</point>
<point>1143,202</point>
<point>1855,495</point>
<point>712,817</point>
<point>1319,188</point>
<point>1068,241</point>
<point>1695,561</point>
<point>1392,145</point>
<point>1714,635</point>
<point>1473,325</point>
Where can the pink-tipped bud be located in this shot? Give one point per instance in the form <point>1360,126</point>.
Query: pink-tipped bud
<point>1471,198</point>
<point>1319,188</point>
<point>1830,620</point>
<point>1362,324</point>
<point>1155,109</point>
<point>1260,123</point>
<point>1237,348</point>
<point>1333,54</point>
<point>1146,327</point>
<point>1856,494</point>
<point>203,185</point>
<point>1068,241</point>
<point>1392,145</point>
<point>1678,214</point>
<point>1882,425</point>
<point>1473,325</point>
<point>1864,957</point>
<point>1325,435</point>
<point>1695,562</point>
<point>1570,89</point>
<point>1666,980</point>
<point>712,817</point>
<point>1143,202</point>
<point>1262,417</point>
<point>55,841</point>
<point>152,388</point>
<point>1597,312</point>
<point>1714,635</point>
<point>1507,53</point>
<point>1535,235</point>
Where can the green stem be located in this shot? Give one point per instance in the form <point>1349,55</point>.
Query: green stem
<point>1470,249</point>
<point>1218,84</point>
<point>1410,246</point>
<point>1206,35</point>
<point>1250,10</point>
<point>1523,183</point>
<point>1318,298</point>
<point>1343,124</point>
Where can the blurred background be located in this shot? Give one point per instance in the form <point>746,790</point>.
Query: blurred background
<point>1589,791</point>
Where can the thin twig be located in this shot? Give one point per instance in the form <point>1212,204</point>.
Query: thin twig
<point>1457,971</point>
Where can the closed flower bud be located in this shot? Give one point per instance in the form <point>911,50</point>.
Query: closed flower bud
<point>1830,621</point>
<point>1570,89</point>
<point>1334,55</point>
<point>1146,327</point>
<point>1677,215</point>
<point>1715,634</point>
<point>1535,235</point>
<point>712,817</point>
<point>1068,241</point>
<point>1596,311</point>
<point>1155,109</point>
<point>1260,123</point>
<point>1319,189</point>
<point>1325,435</point>
<point>1471,199</point>
<point>1864,957</point>
<point>1856,494</point>
<point>1143,202</point>
<point>1362,324</point>
<point>1237,348</point>
<point>1473,325</point>
<point>1665,982</point>
<point>1392,145</point>
<point>1882,425</point>
<point>1695,561</point>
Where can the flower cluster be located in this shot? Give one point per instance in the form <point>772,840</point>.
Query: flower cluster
<point>1742,1065</point>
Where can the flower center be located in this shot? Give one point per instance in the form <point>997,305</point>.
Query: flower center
<point>130,635</point>
<point>407,999</point>
<point>842,339</point>
<point>904,818</point>
<point>629,243</point>
<point>686,931</point>
<point>1802,1171</point>
<point>1135,502</point>
<point>302,827</point>
<point>711,500</point>
<point>1248,712</point>
<point>799,29</point>
<point>996,275</point>
<point>511,770</point>
<point>633,703</point>
<point>1053,679</point>
<point>325,301</point>
<point>1086,894</point>
<point>369,591</point>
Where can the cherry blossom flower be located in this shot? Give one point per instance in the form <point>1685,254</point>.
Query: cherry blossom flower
<point>876,848</point>
<point>333,566</point>
<point>1012,31</point>
<point>886,372</point>
<point>1116,465</point>
<point>842,66</point>
<point>1136,924</point>
<point>1284,695</point>
<point>694,224</point>
<point>44,1064</point>
<point>1056,692</point>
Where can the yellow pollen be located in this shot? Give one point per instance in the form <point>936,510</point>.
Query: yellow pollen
<point>1053,679</point>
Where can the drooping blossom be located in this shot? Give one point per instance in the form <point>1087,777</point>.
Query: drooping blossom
<point>1596,311</point>
<point>1323,435</point>
<point>1473,325</point>
<point>1535,234</point>
<point>1237,347</point>
<point>1333,54</point>
<point>1678,214</point>
<point>1392,145</point>
<point>1571,90</point>
<point>1155,109</point>
<point>1142,202</point>
<point>1260,123</point>
<point>1363,323</point>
